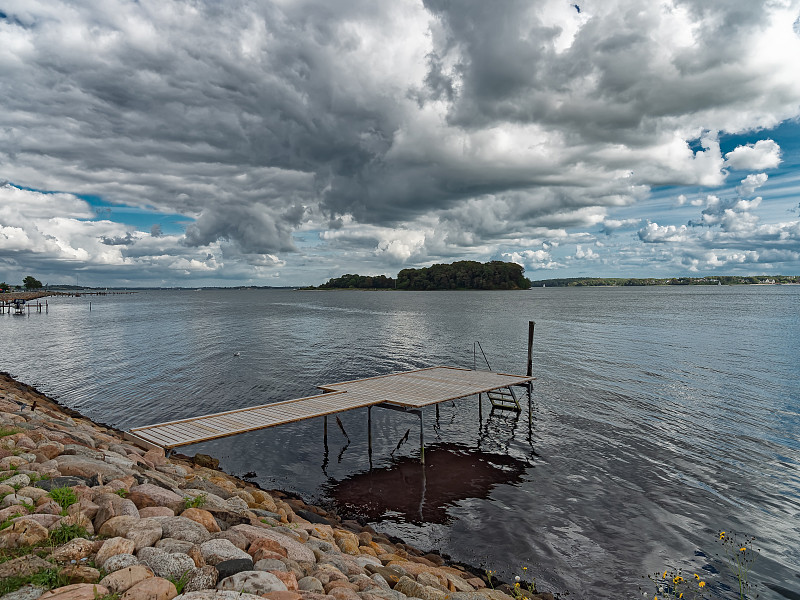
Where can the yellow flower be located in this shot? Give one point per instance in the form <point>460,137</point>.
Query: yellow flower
<point>721,535</point>
<point>677,579</point>
<point>742,549</point>
<point>681,596</point>
<point>696,576</point>
<point>702,584</point>
<point>516,584</point>
<point>524,568</point>
<point>664,575</point>
<point>655,597</point>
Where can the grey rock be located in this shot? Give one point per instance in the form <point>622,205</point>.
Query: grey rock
<point>212,501</point>
<point>120,561</point>
<point>253,582</point>
<point>217,595</point>
<point>236,505</point>
<point>164,564</point>
<point>123,462</point>
<point>210,488</point>
<point>409,587</point>
<point>218,550</point>
<point>84,438</point>
<point>388,594</point>
<point>15,499</point>
<point>201,579</point>
<point>172,545</point>
<point>467,596</point>
<point>172,469</point>
<point>57,482</point>
<point>119,449</point>
<point>227,568</point>
<point>18,480</point>
<point>182,528</point>
<point>234,537</point>
<point>310,584</point>
<point>28,592</point>
<point>378,578</point>
<point>145,532</point>
<point>301,535</point>
<point>78,450</point>
<point>321,545</point>
<point>300,570</point>
<point>83,466</point>
<point>265,513</point>
<point>270,564</point>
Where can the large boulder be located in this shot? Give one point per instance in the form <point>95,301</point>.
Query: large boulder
<point>154,588</point>
<point>124,579</point>
<point>253,582</point>
<point>294,550</point>
<point>145,532</point>
<point>216,551</point>
<point>23,532</point>
<point>205,518</point>
<point>165,564</point>
<point>83,466</point>
<point>148,495</point>
<point>23,566</point>
<point>73,550</point>
<point>182,528</point>
<point>112,547</point>
<point>76,591</point>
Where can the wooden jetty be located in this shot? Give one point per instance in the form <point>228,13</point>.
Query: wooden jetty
<point>409,391</point>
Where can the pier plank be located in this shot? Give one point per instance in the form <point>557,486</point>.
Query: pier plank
<point>410,389</point>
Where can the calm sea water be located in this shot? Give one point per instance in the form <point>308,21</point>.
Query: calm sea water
<point>660,415</point>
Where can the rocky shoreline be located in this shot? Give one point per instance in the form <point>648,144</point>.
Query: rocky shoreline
<point>84,514</point>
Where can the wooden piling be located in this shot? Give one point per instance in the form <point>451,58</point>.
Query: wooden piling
<point>531,325</point>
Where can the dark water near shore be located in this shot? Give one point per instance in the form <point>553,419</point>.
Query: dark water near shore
<point>661,415</point>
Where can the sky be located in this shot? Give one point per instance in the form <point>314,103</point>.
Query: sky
<point>284,142</point>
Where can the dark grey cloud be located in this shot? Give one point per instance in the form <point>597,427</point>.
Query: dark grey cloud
<point>422,128</point>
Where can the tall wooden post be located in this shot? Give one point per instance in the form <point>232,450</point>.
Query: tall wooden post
<point>531,325</point>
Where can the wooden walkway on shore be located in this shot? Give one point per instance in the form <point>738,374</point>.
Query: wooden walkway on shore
<point>409,391</point>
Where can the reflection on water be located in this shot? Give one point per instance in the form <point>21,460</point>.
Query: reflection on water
<point>407,490</point>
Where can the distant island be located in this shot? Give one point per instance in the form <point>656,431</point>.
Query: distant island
<point>498,275</point>
<point>461,275</point>
<point>709,280</point>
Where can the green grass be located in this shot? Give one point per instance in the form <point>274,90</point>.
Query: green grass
<point>196,502</point>
<point>7,522</point>
<point>122,493</point>
<point>181,582</point>
<point>64,533</point>
<point>64,497</point>
<point>6,431</point>
<point>48,579</point>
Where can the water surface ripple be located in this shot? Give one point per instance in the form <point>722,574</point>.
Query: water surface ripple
<point>661,415</point>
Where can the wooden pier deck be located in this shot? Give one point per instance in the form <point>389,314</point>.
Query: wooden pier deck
<point>409,390</point>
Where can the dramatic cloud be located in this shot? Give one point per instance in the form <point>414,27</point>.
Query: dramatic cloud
<point>294,138</point>
<point>764,154</point>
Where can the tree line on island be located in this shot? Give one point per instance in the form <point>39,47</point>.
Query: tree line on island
<point>461,275</point>
<point>708,280</point>
<point>498,275</point>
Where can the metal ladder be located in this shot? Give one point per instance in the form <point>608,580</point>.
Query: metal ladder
<point>502,399</point>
